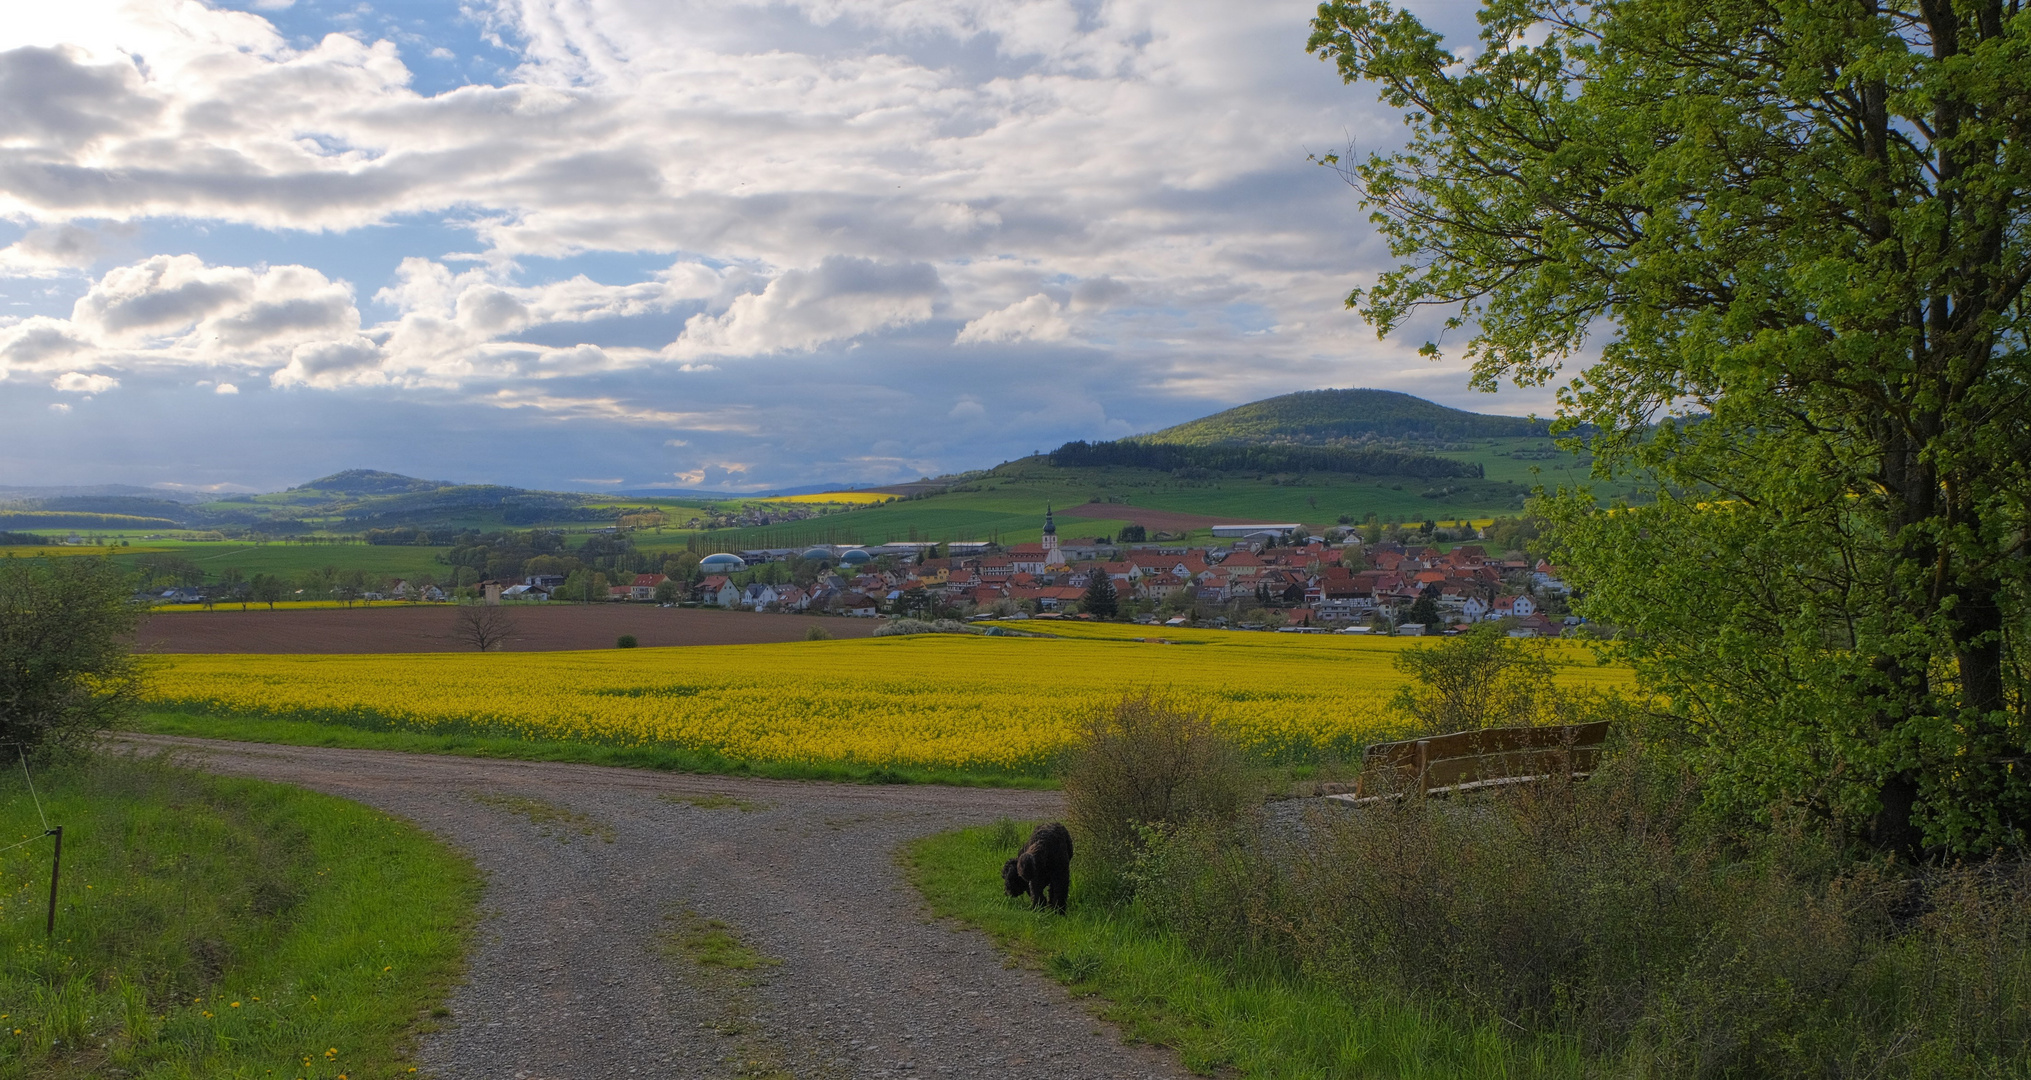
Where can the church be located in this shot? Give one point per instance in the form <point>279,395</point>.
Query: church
<point>1040,558</point>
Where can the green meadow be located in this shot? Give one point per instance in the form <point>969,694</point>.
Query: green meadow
<point>219,928</point>
<point>1007,503</point>
<point>288,559</point>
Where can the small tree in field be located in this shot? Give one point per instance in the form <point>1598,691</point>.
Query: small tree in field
<point>267,588</point>
<point>66,665</point>
<point>485,627</point>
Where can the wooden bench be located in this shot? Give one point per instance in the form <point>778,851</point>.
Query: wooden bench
<point>1477,760</point>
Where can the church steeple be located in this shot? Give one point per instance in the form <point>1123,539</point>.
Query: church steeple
<point>1052,556</point>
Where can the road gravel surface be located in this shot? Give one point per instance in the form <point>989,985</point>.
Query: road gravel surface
<point>595,876</point>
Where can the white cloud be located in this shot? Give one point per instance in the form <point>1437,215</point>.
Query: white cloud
<point>225,388</point>
<point>163,295</point>
<point>843,297</point>
<point>51,250</point>
<point>78,382</point>
<point>37,343</point>
<point>171,311</point>
<point>1032,319</point>
<point>356,361</point>
<point>214,311</point>
<point>718,474</point>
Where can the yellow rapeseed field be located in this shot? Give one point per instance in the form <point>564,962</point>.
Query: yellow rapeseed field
<point>998,704</point>
<point>835,497</point>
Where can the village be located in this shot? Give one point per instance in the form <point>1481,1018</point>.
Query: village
<point>1272,576</point>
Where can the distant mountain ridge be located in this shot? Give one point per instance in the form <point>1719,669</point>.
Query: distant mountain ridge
<point>100,491</point>
<point>1321,416</point>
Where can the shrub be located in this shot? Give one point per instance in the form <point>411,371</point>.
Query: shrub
<point>918,626</point>
<point>66,666</point>
<point>1480,679</point>
<point>626,641</point>
<point>1146,762</point>
<point>817,633</point>
<point>1607,912</point>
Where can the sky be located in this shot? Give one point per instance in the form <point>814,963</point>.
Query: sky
<point>629,244</point>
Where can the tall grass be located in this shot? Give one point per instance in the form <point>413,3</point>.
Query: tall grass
<point>1249,1014</point>
<point>1597,927</point>
<point>209,927</point>
<point>1604,915</point>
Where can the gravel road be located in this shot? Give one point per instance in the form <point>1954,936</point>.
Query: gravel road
<point>592,870</point>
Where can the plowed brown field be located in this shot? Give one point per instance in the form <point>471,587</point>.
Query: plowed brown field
<point>388,628</point>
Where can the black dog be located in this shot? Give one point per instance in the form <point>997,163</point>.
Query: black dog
<point>1043,868</point>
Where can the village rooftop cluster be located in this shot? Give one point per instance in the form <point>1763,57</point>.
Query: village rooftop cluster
<point>1254,576</point>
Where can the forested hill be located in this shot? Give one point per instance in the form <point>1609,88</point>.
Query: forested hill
<point>1283,458</point>
<point>1317,416</point>
<point>371,482</point>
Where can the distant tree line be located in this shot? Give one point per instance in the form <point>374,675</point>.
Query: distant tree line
<point>412,535</point>
<point>1173,457</point>
<point>38,520</point>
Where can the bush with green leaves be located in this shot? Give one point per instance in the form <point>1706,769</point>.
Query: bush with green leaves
<point>1147,761</point>
<point>67,669</point>
<point>897,627</point>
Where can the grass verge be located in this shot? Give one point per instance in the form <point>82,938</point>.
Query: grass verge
<point>1258,1022</point>
<point>211,927</point>
<point>661,758</point>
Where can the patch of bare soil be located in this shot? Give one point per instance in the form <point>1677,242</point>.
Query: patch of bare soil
<point>404,628</point>
<point>655,925</point>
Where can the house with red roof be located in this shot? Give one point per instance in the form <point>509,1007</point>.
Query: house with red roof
<point>644,586</point>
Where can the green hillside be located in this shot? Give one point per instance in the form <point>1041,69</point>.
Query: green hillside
<point>1331,415</point>
<point>1007,503</point>
<point>1317,457</point>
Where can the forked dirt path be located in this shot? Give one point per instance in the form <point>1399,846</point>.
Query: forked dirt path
<point>570,979</point>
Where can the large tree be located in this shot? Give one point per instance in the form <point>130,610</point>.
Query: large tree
<point>67,669</point>
<point>1787,241</point>
<point>1101,600</point>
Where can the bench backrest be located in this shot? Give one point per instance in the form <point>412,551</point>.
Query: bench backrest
<point>1489,756</point>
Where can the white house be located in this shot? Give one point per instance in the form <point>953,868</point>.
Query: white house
<point>1546,576</point>
<point>719,591</point>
